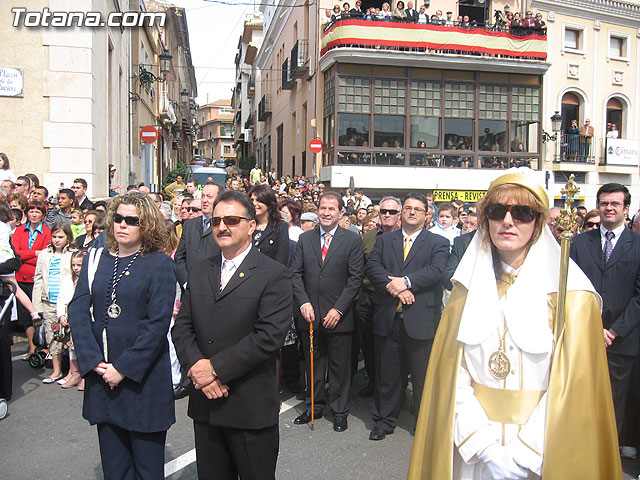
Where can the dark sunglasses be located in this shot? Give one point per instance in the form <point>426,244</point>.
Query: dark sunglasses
<point>193,209</point>
<point>592,224</point>
<point>228,220</point>
<point>131,221</point>
<point>386,211</point>
<point>519,213</point>
<point>20,184</point>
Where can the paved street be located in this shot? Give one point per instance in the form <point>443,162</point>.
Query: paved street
<point>44,436</point>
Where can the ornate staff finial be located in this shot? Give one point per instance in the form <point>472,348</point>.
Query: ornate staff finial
<point>568,216</point>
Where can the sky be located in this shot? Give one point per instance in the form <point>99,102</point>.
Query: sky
<point>214,30</point>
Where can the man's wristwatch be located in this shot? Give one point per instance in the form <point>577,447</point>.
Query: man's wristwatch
<point>406,282</point>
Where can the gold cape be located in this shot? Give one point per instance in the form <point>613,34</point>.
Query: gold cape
<point>581,439</point>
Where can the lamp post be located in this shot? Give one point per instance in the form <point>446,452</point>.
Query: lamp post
<point>184,96</point>
<point>165,62</point>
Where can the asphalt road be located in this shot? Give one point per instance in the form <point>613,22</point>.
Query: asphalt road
<point>45,436</point>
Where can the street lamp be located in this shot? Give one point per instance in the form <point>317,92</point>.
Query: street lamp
<point>556,125</point>
<point>165,61</point>
<point>184,96</point>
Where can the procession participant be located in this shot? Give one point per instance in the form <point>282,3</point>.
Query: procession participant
<point>501,401</point>
<point>120,315</point>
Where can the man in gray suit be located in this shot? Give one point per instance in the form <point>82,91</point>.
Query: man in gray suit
<point>405,267</point>
<point>196,243</point>
<point>327,272</point>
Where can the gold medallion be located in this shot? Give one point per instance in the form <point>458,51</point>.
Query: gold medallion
<point>499,365</point>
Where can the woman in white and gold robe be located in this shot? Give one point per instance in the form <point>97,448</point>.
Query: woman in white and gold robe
<point>501,400</point>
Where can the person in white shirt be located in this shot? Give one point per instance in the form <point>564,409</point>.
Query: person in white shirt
<point>446,222</point>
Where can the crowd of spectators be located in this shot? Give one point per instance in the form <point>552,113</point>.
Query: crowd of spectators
<point>517,23</point>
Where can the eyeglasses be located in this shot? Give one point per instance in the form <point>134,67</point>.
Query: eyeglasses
<point>20,184</point>
<point>193,209</point>
<point>592,224</point>
<point>229,220</point>
<point>610,204</point>
<point>519,213</point>
<point>386,211</point>
<point>413,209</point>
<point>131,221</point>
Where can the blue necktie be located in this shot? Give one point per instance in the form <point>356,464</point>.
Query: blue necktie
<point>608,246</point>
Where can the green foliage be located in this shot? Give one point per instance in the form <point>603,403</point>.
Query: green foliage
<point>181,169</point>
<point>246,164</point>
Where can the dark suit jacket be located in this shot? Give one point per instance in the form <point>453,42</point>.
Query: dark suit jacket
<point>618,283</point>
<point>86,204</point>
<point>424,266</point>
<point>194,247</point>
<point>412,15</point>
<point>274,242</point>
<point>460,245</point>
<point>240,330</point>
<point>333,283</point>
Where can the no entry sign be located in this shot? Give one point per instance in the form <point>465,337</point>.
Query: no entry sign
<point>315,145</point>
<point>149,134</point>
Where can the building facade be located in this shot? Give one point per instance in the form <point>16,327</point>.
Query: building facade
<point>434,106</point>
<point>216,132</point>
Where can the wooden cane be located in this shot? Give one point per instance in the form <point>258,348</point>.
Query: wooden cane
<point>311,358</point>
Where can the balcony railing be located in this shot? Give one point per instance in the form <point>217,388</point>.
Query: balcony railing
<point>287,81</point>
<point>434,39</point>
<point>251,87</point>
<point>250,122</point>
<point>300,59</point>
<point>264,108</point>
<point>576,148</point>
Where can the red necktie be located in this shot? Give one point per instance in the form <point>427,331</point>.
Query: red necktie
<point>325,245</point>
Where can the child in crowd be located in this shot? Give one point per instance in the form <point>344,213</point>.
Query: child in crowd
<point>77,222</point>
<point>67,288</point>
<point>53,267</point>
<point>445,224</point>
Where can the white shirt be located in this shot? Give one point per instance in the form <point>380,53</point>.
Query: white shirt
<point>331,232</point>
<point>616,232</point>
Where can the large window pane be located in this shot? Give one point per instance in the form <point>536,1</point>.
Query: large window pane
<point>388,131</point>
<point>354,158</point>
<point>389,159</point>
<point>494,162</point>
<point>524,137</point>
<point>458,132</point>
<point>353,129</point>
<point>492,136</point>
<point>425,129</point>
<point>425,160</point>
<point>458,161</point>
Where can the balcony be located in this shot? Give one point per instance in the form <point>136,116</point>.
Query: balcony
<point>288,83</point>
<point>300,59</point>
<point>264,108</point>
<point>432,46</point>
<point>250,122</point>
<point>576,149</point>
<point>251,90</point>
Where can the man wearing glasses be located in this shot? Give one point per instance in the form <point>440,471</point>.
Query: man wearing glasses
<point>23,184</point>
<point>405,267</point>
<point>389,221</point>
<point>234,317</point>
<point>610,257</point>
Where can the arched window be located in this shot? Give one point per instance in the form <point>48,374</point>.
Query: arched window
<point>570,109</point>
<point>615,115</point>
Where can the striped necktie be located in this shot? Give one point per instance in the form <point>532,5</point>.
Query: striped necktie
<point>325,244</point>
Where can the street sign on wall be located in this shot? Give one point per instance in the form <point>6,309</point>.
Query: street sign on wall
<point>315,145</point>
<point>149,134</point>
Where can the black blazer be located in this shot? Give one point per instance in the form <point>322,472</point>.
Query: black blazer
<point>240,330</point>
<point>195,246</point>
<point>460,245</point>
<point>333,283</point>
<point>86,204</point>
<point>274,242</point>
<point>424,266</point>
<point>412,15</point>
<point>618,283</point>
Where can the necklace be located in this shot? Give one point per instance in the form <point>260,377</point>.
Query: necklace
<point>499,363</point>
<point>113,311</point>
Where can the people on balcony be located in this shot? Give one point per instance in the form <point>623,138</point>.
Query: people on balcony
<point>529,21</point>
<point>449,20</point>
<point>586,132</point>
<point>385,14</point>
<point>327,19</point>
<point>356,11</point>
<point>541,27</point>
<point>336,13</point>
<point>411,13</point>
<point>422,15</point>
<point>612,130</point>
<point>573,140</point>
<point>346,10</point>
<point>399,15</point>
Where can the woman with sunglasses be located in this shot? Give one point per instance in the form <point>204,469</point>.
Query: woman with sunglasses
<point>120,315</point>
<point>591,221</point>
<point>502,400</point>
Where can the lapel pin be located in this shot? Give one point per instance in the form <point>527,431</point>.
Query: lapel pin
<point>241,274</point>
<point>127,272</point>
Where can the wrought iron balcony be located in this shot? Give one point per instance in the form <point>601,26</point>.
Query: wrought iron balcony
<point>288,83</point>
<point>264,108</point>
<point>300,59</point>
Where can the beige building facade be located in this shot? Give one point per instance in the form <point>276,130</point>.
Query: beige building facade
<point>216,132</point>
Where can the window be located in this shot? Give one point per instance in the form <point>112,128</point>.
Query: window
<point>573,38</point>
<point>458,133</point>
<point>353,129</point>
<point>617,47</point>
<point>388,131</point>
<point>425,129</point>
<point>227,149</point>
<point>492,136</point>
